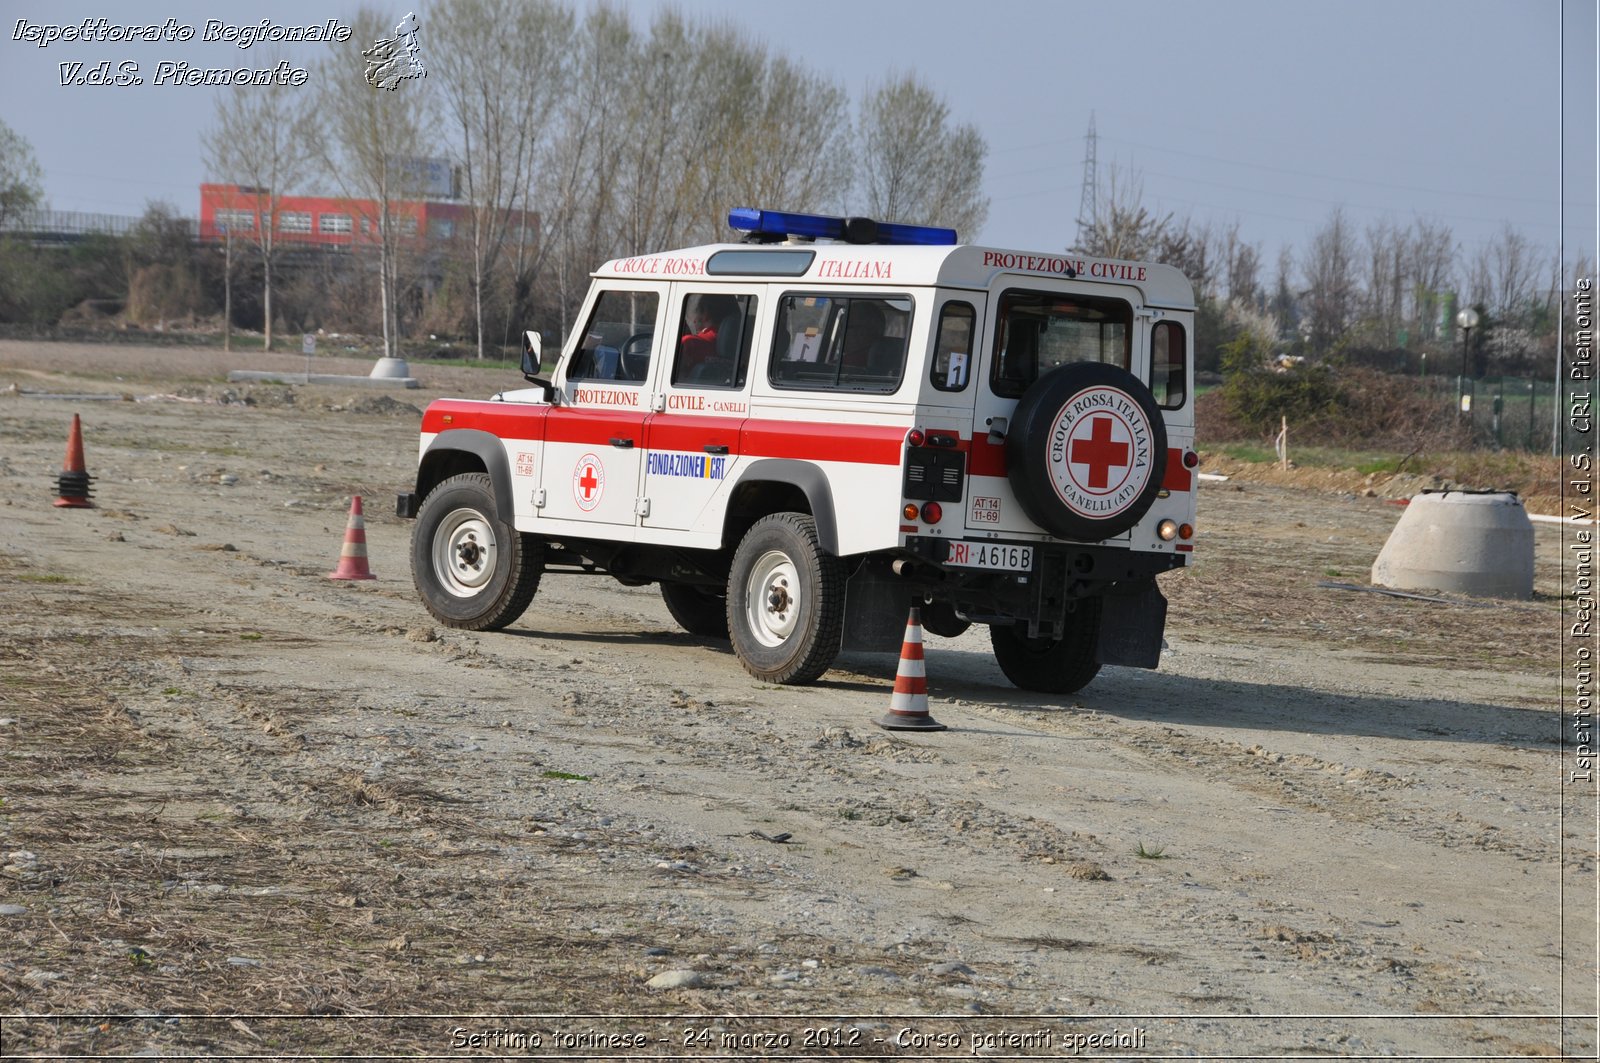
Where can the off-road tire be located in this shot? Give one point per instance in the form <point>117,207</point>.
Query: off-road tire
<point>1051,666</point>
<point>1045,485</point>
<point>698,610</point>
<point>780,562</point>
<point>471,568</point>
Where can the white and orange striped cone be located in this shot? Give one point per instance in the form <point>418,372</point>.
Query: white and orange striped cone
<point>908,708</point>
<point>353,555</point>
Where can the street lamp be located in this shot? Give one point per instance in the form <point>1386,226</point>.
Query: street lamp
<point>1467,320</point>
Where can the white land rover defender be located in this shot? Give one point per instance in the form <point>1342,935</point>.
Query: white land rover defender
<point>801,435</point>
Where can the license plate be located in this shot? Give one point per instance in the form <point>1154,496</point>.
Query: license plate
<point>1002,557</point>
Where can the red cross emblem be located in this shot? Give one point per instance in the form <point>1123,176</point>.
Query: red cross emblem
<point>588,482</point>
<point>1099,452</point>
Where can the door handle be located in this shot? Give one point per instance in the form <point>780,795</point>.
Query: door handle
<point>715,448</point>
<point>622,443</point>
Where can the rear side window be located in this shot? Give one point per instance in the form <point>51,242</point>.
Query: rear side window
<point>952,348</point>
<point>1168,361</point>
<point>841,343</point>
<point>618,339</point>
<point>1036,332</point>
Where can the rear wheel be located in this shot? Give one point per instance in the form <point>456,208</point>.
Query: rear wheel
<point>471,568</point>
<point>1062,665</point>
<point>698,610</point>
<point>785,601</point>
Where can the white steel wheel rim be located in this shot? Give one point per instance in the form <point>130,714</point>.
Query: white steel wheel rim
<point>772,598</point>
<point>464,553</point>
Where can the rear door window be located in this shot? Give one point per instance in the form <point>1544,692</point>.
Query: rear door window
<point>1036,332</point>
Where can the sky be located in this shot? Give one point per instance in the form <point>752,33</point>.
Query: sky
<point>1264,113</point>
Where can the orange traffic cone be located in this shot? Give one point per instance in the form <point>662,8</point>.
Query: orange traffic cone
<point>353,555</point>
<point>908,708</point>
<point>72,486</point>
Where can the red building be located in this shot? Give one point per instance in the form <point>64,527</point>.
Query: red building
<point>329,222</point>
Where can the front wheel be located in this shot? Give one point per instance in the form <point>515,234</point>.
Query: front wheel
<point>471,568</point>
<point>1062,665</point>
<point>785,601</point>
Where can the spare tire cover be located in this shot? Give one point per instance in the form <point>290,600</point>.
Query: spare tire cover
<point>1086,451</point>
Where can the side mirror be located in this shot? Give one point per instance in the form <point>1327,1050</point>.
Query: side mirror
<point>532,353</point>
<point>532,361</point>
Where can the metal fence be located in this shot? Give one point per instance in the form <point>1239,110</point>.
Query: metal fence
<point>1504,412</point>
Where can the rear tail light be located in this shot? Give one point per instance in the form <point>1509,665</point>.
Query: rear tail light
<point>932,512</point>
<point>915,437</point>
<point>1190,459</point>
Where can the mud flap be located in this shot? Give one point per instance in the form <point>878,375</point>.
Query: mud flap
<point>876,605</point>
<point>1131,626</point>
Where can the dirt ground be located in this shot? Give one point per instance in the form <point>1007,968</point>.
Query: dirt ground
<point>247,810</point>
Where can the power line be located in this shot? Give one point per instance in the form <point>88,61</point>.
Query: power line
<point>1326,177</point>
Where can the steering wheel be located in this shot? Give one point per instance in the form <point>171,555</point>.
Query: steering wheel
<point>636,355</point>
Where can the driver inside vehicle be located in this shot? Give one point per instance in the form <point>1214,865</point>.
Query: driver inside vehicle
<point>701,357</point>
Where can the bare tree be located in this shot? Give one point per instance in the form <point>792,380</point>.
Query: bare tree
<point>367,142</point>
<point>1190,247</point>
<point>261,141</point>
<point>1513,274</point>
<point>1123,227</point>
<point>1432,251</point>
<point>1330,273</point>
<point>21,182</point>
<point>1242,262</point>
<point>768,164</point>
<point>917,166</point>
<point>495,61</point>
<point>1285,307</point>
<point>1386,245</point>
<point>578,210</point>
<point>684,121</point>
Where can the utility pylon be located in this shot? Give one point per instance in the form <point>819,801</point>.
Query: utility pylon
<point>1091,190</point>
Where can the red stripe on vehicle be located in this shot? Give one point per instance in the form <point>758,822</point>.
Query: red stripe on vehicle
<point>692,433</point>
<point>986,458</point>
<point>811,441</point>
<point>501,419</point>
<point>1178,477</point>
<point>594,427</point>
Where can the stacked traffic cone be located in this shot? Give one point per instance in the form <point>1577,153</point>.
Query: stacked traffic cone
<point>908,708</point>
<point>72,486</point>
<point>353,556</point>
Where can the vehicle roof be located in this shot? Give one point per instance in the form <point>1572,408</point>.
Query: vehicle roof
<point>876,265</point>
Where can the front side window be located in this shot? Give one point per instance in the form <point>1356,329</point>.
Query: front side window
<point>841,343</point>
<point>714,344</point>
<point>618,339</point>
<point>1168,362</point>
<point>1036,332</point>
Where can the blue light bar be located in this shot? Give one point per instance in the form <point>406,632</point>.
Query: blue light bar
<point>777,224</point>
